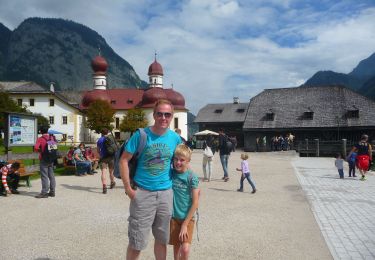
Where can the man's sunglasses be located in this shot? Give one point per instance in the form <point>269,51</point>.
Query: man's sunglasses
<point>165,114</point>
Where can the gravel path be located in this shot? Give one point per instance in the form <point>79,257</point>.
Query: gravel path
<point>82,223</point>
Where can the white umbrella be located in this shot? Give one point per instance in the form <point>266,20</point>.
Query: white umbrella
<point>206,132</point>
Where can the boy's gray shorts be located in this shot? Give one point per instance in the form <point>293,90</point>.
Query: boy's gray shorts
<point>149,210</point>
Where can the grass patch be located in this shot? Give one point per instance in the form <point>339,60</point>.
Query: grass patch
<point>30,149</point>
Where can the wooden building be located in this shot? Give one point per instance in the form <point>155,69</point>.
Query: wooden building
<point>324,113</point>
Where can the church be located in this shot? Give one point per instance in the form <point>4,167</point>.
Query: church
<point>124,99</point>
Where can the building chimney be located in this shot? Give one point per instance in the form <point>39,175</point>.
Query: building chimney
<point>236,100</point>
<point>52,87</point>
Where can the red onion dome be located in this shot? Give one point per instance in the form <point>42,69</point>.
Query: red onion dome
<point>176,98</point>
<point>99,64</point>
<point>152,95</point>
<point>155,69</point>
<point>96,94</point>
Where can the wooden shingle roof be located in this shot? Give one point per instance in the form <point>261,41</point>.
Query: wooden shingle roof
<point>216,113</point>
<point>291,107</point>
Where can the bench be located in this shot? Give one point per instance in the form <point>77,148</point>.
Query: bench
<point>69,167</point>
<point>24,175</point>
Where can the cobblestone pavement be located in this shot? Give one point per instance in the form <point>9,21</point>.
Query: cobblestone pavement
<point>344,209</point>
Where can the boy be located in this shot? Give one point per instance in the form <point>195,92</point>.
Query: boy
<point>9,175</point>
<point>339,163</point>
<point>185,202</point>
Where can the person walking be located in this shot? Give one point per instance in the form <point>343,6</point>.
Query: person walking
<point>245,173</point>
<point>224,152</point>
<point>339,163</point>
<point>151,203</point>
<point>47,148</point>
<point>364,155</point>
<point>207,161</point>
<point>106,161</point>
<point>351,162</point>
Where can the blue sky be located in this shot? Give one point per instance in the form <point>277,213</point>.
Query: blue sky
<point>213,50</point>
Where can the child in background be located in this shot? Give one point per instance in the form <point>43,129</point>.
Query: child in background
<point>185,202</point>
<point>339,163</point>
<point>352,157</point>
<point>245,173</point>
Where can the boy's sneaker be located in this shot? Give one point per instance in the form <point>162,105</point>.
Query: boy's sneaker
<point>226,179</point>
<point>113,184</point>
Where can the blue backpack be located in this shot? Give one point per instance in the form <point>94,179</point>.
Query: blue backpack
<point>133,161</point>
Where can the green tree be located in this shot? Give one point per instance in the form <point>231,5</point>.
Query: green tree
<point>99,115</point>
<point>135,118</point>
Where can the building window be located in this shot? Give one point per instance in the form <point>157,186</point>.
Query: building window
<point>176,122</point>
<point>64,120</point>
<point>240,110</point>
<point>270,116</point>
<point>218,111</point>
<point>117,122</point>
<point>64,137</point>
<point>31,102</point>
<point>308,115</point>
<point>51,120</point>
<point>113,102</point>
<point>352,114</point>
<point>130,101</point>
<point>19,102</point>
<point>117,135</point>
<point>51,102</point>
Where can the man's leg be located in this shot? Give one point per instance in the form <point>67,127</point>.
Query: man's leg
<point>224,165</point>
<point>132,254</point>
<point>161,225</point>
<point>44,177</point>
<point>104,169</point>
<point>52,180</point>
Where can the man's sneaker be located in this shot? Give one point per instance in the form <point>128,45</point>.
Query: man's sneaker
<point>42,196</point>
<point>363,178</point>
<point>226,179</point>
<point>240,190</point>
<point>223,178</point>
<point>254,191</point>
<point>51,194</point>
<point>15,192</point>
<point>113,184</point>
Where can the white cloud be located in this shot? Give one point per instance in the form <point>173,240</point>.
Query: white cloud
<point>212,50</point>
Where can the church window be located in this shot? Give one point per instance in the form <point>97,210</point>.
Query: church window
<point>309,115</point>
<point>130,101</point>
<point>240,110</point>
<point>113,102</point>
<point>270,116</point>
<point>117,122</point>
<point>64,120</point>
<point>352,113</point>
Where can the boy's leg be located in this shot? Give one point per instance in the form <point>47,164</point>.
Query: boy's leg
<point>241,183</point>
<point>184,251</point>
<point>250,182</point>
<point>176,252</point>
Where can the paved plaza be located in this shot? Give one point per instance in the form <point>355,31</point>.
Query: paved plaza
<point>344,209</point>
<point>301,211</point>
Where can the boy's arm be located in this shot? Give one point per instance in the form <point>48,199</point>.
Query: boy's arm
<point>194,205</point>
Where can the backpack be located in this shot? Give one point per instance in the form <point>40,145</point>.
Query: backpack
<point>110,146</point>
<point>132,164</point>
<point>190,181</point>
<point>49,154</point>
<point>229,144</point>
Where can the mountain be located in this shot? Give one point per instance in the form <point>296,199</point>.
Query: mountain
<point>47,50</point>
<point>361,79</point>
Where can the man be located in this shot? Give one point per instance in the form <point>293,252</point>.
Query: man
<point>9,179</point>
<point>224,153</point>
<point>106,161</point>
<point>152,202</point>
<point>47,175</point>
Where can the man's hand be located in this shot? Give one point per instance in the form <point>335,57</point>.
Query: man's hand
<point>130,192</point>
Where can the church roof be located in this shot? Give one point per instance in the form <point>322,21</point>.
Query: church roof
<point>309,107</point>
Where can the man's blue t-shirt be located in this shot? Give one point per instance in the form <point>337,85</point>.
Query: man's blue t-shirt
<point>182,189</point>
<point>154,164</point>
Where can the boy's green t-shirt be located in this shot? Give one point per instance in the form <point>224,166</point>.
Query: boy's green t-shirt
<point>182,197</point>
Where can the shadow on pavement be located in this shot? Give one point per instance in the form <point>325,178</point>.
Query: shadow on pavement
<point>82,188</point>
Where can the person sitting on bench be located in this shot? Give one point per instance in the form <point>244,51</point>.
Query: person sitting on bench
<point>83,166</point>
<point>9,179</point>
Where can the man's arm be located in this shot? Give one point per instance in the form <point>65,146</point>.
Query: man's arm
<point>124,172</point>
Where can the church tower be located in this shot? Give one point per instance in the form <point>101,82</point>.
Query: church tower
<point>155,75</point>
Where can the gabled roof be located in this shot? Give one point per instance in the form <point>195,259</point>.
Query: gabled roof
<point>329,105</point>
<point>216,113</point>
<point>22,87</point>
